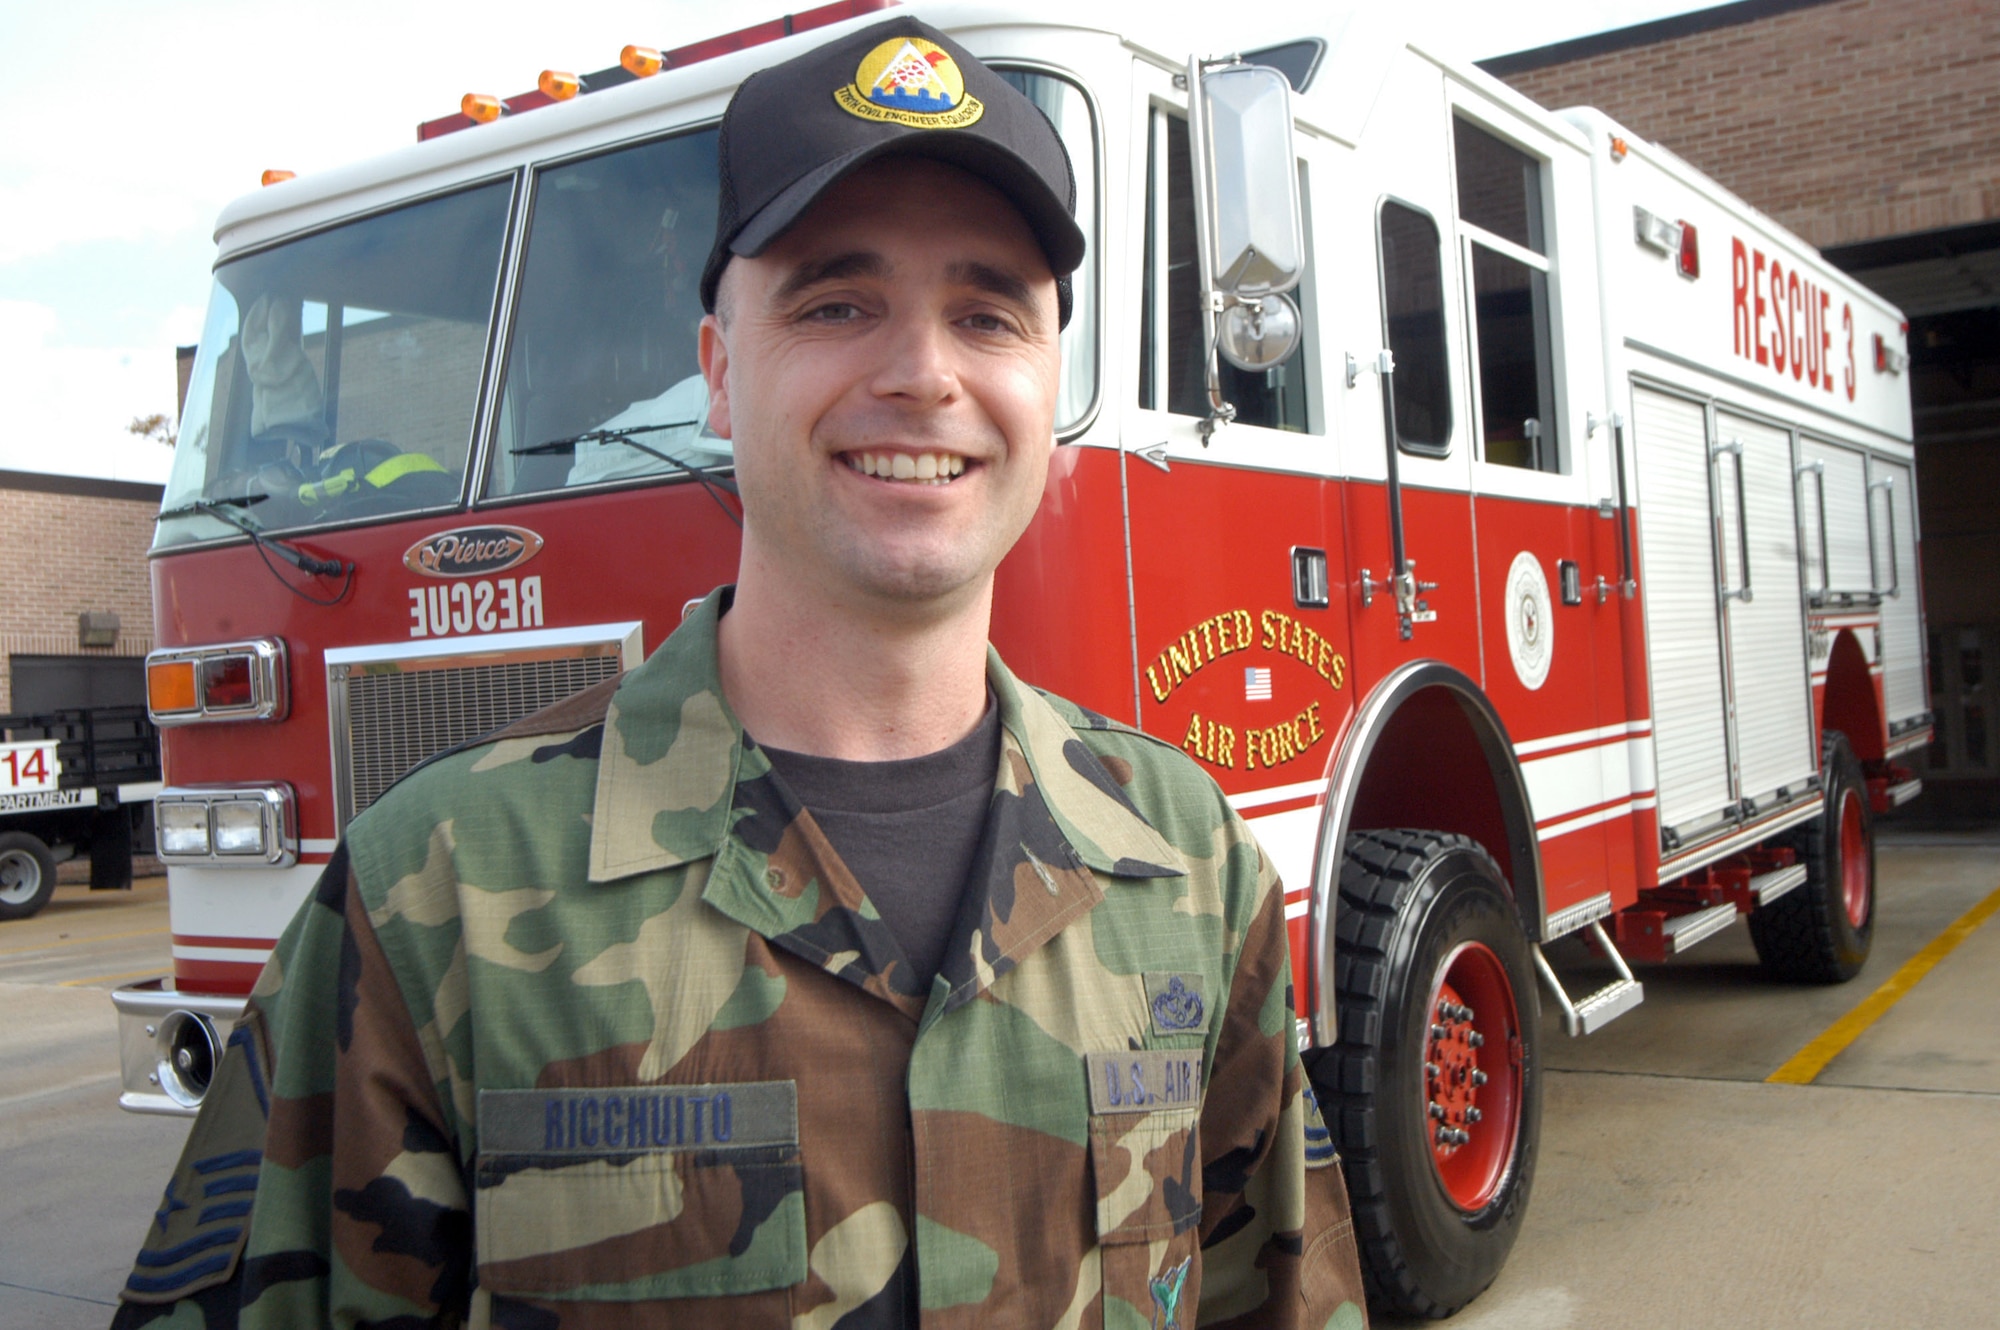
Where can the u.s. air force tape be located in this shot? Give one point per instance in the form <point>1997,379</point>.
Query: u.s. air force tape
<point>1141,1080</point>
<point>639,1118</point>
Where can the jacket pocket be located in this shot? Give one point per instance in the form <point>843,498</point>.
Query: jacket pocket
<point>642,1226</point>
<point>1147,1168</point>
<point>628,1213</point>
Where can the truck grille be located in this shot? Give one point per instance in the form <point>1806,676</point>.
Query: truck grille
<point>390,715</point>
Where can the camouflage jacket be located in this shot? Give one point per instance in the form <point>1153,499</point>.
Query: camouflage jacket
<point>587,1025</point>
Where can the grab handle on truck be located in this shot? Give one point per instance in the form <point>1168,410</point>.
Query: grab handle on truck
<point>1816,468</point>
<point>1733,449</point>
<point>1888,487</point>
<point>1628,584</point>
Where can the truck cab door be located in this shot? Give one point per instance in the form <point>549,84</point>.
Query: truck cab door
<point>1406,448</point>
<point>1241,642</point>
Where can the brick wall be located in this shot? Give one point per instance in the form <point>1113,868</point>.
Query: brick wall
<point>64,553</point>
<point>1846,121</point>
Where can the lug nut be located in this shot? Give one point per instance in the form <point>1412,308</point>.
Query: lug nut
<point>1479,1078</point>
<point>1472,1115</point>
<point>1437,1111</point>
<point>1431,1070</point>
<point>1476,1039</point>
<point>1438,1032</point>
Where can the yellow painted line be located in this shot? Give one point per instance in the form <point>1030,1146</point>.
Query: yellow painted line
<point>79,941</point>
<point>1810,1061</point>
<point>105,978</point>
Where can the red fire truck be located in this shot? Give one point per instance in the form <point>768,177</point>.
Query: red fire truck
<point>1517,525</point>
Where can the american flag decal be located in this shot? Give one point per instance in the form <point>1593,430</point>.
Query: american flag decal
<point>1256,684</point>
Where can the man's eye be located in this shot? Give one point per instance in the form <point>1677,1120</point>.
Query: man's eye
<point>986,322</point>
<point>835,311</point>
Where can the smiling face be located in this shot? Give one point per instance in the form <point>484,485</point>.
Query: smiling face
<point>887,370</point>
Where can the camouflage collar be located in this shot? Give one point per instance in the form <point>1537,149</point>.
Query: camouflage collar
<point>673,755</point>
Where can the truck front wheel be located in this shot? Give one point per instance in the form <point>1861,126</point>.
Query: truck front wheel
<point>1434,1088</point>
<point>27,875</point>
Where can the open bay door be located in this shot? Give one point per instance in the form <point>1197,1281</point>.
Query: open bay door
<point>1725,619</point>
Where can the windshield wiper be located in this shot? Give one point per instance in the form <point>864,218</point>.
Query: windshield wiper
<point>706,475</point>
<point>225,510</point>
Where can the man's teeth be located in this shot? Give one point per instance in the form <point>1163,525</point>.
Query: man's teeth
<point>928,468</point>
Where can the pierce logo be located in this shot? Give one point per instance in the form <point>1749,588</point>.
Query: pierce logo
<point>472,551</point>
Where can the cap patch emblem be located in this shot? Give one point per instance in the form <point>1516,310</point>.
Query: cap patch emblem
<point>909,81</point>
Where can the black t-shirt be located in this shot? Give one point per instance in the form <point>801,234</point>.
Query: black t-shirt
<point>907,829</point>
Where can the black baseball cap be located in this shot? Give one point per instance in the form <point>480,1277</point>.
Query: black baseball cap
<point>899,87</point>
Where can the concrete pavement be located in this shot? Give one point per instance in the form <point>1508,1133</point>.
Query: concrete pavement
<point>81,1177</point>
<point>1676,1187</point>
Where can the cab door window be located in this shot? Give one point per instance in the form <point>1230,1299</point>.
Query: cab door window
<point>1505,251</point>
<point>1413,319</point>
<point>1171,366</point>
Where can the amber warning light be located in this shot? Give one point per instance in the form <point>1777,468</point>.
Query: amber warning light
<point>480,107</point>
<point>170,687</point>
<point>639,62</point>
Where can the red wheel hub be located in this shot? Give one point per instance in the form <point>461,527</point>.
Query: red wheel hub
<point>1472,1075</point>
<point>1854,867</point>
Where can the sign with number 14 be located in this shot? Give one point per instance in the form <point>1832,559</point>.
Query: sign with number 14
<point>28,766</point>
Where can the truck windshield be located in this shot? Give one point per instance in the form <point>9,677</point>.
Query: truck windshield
<point>339,373</point>
<point>601,383</point>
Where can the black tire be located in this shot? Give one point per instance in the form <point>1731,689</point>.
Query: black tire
<point>1416,906</point>
<point>1821,932</point>
<point>27,875</point>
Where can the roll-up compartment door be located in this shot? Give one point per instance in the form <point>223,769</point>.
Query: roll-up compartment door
<point>1683,632</point>
<point>1833,499</point>
<point>1893,526</point>
<point>1765,609</point>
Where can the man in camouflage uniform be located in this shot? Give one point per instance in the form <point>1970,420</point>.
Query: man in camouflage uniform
<point>591,1024</point>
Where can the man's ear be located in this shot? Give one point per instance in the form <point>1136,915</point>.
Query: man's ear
<point>713,352</point>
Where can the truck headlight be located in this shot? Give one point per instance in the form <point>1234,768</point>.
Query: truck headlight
<point>182,828</point>
<point>250,825</point>
<point>239,827</point>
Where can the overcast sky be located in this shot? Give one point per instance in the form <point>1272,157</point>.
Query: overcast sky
<point>126,125</point>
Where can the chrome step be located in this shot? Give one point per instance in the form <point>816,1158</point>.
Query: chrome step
<point>1767,887</point>
<point>1604,1006</point>
<point>1684,930</point>
<point>1898,795</point>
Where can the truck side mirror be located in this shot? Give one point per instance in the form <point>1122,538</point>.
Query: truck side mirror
<point>1249,223</point>
<point>1256,236</point>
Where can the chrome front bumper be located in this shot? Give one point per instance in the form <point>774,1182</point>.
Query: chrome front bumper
<point>168,1045</point>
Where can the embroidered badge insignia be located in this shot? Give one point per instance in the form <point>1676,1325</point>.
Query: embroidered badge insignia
<point>1167,1295</point>
<point>1177,1004</point>
<point>911,82</point>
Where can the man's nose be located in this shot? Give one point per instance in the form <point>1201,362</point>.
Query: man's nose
<point>917,359</point>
